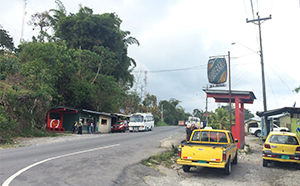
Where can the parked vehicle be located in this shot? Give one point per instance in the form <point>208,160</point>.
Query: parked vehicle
<point>181,123</point>
<point>208,148</point>
<point>141,122</point>
<point>281,147</point>
<point>120,126</point>
<point>194,120</point>
<point>257,130</point>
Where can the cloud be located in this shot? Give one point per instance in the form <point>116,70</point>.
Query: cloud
<point>179,34</point>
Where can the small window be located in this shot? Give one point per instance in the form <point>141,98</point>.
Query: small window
<point>231,138</point>
<point>204,136</point>
<point>196,136</point>
<point>213,137</point>
<point>222,137</point>
<point>103,122</point>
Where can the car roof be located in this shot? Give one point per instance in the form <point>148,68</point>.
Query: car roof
<point>211,130</point>
<point>282,133</point>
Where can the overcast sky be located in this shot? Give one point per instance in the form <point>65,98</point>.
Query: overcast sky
<point>177,37</point>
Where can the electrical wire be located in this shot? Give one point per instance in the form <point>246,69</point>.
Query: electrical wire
<point>174,70</point>
<point>272,90</point>
<point>288,90</point>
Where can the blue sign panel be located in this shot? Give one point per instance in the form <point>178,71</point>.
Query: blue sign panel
<point>217,70</point>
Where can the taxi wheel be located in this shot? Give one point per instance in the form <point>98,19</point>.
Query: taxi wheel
<point>235,160</point>
<point>227,167</point>
<point>265,163</point>
<point>186,168</point>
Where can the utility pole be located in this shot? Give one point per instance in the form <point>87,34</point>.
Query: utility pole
<point>229,92</point>
<point>206,108</point>
<point>162,113</point>
<point>267,124</point>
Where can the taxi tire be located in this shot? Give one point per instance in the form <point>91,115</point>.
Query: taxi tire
<point>227,170</point>
<point>235,160</point>
<point>265,163</point>
<point>186,168</point>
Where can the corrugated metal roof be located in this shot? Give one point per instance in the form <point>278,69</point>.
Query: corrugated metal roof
<point>95,112</point>
<point>233,92</point>
<point>291,110</point>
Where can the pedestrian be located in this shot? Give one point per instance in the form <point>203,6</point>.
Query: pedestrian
<point>79,125</point>
<point>74,127</point>
<point>91,127</point>
<point>189,131</point>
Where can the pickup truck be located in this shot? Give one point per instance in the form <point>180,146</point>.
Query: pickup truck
<point>257,130</point>
<point>208,148</point>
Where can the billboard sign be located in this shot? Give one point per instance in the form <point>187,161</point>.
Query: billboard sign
<point>217,70</point>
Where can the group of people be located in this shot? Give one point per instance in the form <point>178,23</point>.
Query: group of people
<point>78,126</point>
<point>189,131</point>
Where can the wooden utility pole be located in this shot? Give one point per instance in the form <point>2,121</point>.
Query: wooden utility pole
<point>229,78</point>
<point>267,124</point>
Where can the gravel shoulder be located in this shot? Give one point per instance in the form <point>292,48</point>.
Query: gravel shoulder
<point>248,171</point>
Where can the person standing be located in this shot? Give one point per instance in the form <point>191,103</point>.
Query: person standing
<point>91,127</point>
<point>79,125</point>
<point>74,127</point>
<point>189,131</point>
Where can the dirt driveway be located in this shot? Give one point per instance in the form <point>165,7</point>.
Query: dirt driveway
<point>248,171</point>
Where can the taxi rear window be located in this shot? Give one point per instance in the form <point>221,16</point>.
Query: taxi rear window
<point>209,136</point>
<point>283,139</point>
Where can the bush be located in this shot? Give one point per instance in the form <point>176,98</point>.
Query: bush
<point>165,159</point>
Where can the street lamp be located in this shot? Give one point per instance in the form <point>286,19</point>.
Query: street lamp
<point>233,43</point>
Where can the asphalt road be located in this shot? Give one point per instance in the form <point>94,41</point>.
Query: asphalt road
<point>103,160</point>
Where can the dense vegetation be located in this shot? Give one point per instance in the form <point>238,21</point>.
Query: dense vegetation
<point>83,64</point>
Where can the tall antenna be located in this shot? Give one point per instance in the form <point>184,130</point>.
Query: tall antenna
<point>24,14</point>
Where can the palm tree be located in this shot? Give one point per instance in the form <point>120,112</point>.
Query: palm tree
<point>220,119</point>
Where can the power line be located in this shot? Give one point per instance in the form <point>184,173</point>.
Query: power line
<point>174,70</point>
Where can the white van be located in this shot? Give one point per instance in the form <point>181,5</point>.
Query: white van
<point>141,122</point>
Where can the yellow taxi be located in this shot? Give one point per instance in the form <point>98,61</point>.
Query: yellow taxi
<point>281,147</point>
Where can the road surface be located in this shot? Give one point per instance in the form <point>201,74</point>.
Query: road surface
<point>101,160</point>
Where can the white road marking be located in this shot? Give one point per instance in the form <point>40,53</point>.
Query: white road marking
<point>10,179</point>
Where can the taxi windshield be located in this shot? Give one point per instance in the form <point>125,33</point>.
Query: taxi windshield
<point>283,139</point>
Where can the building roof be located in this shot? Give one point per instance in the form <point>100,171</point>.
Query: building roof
<point>291,110</point>
<point>63,109</point>
<point>95,112</point>
<point>257,119</point>
<point>223,95</point>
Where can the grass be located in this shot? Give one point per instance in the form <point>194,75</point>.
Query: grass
<point>166,159</point>
<point>28,133</point>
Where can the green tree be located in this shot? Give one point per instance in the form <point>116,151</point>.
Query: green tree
<point>41,22</point>
<point>98,30</point>
<point>247,112</point>
<point>220,119</point>
<point>6,41</point>
<point>172,111</point>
